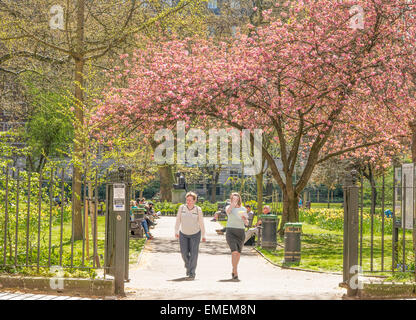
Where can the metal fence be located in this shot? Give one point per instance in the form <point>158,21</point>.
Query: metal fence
<point>37,223</point>
<point>385,238</point>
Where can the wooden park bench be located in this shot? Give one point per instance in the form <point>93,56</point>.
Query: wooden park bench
<point>136,228</point>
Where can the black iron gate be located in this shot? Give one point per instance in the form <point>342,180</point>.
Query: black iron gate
<point>379,226</point>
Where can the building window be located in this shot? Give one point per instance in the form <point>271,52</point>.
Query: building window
<point>234,173</point>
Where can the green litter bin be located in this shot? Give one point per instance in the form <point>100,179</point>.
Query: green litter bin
<point>293,232</point>
<point>269,231</point>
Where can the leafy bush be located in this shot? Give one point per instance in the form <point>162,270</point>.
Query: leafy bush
<point>172,208</point>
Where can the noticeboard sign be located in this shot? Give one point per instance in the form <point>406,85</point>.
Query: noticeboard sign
<point>119,197</point>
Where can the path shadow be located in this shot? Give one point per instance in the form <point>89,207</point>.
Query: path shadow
<point>229,280</point>
<point>181,279</point>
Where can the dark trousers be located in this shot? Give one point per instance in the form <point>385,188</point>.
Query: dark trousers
<point>189,249</point>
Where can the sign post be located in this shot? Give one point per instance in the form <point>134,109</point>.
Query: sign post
<point>117,225</point>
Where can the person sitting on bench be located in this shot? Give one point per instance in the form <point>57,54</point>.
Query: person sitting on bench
<point>255,231</point>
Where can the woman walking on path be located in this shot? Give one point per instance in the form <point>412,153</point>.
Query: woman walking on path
<point>190,221</point>
<point>235,233</point>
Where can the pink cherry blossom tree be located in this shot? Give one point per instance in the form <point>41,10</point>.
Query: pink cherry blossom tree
<point>317,87</point>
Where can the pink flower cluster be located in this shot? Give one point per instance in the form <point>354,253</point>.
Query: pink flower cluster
<point>310,78</point>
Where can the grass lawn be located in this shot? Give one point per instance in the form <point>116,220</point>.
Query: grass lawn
<point>324,205</point>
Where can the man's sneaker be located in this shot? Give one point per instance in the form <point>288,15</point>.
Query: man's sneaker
<point>190,277</point>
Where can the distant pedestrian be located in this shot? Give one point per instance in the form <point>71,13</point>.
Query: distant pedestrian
<point>189,228</point>
<point>250,215</point>
<point>388,213</point>
<point>235,234</point>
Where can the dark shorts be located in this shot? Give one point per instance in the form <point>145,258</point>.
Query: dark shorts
<point>235,238</point>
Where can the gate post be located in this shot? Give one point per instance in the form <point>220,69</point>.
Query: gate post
<point>350,261</point>
<point>117,222</point>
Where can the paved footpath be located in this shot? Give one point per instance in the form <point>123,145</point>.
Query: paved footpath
<point>7,295</point>
<point>160,271</point>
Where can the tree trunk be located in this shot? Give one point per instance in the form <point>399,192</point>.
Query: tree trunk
<point>373,196</point>
<point>166,183</point>
<point>259,183</point>
<point>76,181</point>
<point>328,197</point>
<point>41,164</point>
<point>79,119</point>
<point>214,186</point>
<point>269,188</point>
<point>372,181</point>
<point>242,183</point>
<point>290,209</point>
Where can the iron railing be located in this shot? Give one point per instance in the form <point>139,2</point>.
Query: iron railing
<point>37,222</point>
